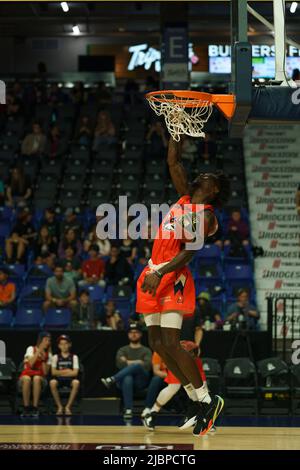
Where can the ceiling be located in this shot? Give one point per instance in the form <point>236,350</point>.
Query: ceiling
<point>208,20</point>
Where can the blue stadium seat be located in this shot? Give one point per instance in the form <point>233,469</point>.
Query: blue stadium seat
<point>215,289</point>
<point>5,228</point>
<point>6,317</point>
<point>96,292</point>
<point>32,295</point>
<point>119,292</point>
<point>57,318</point>
<point>209,251</point>
<point>239,272</point>
<point>28,318</point>
<point>208,268</point>
<point>38,273</point>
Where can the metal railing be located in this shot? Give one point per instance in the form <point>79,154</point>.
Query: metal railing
<point>283,322</point>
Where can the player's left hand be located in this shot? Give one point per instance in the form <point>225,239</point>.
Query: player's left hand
<point>151,283</point>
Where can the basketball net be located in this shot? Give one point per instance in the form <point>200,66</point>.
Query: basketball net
<point>181,119</point>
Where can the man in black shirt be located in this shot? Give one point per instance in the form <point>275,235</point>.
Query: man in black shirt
<point>21,236</point>
<point>118,269</point>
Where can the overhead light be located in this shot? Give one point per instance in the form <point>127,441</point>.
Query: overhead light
<point>293,7</point>
<point>76,30</point>
<point>64,6</point>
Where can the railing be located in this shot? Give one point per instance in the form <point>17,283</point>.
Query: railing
<point>283,321</point>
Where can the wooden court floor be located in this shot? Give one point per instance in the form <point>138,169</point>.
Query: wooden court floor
<point>226,438</point>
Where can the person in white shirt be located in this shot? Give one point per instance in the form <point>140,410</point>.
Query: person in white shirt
<point>64,371</point>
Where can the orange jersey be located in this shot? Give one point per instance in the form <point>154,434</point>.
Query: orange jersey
<point>171,379</point>
<point>157,360</point>
<point>166,245</point>
<point>176,292</point>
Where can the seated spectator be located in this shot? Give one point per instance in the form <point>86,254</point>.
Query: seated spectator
<point>134,362</point>
<point>117,269</point>
<point>46,259</point>
<point>37,361</point>
<point>105,133</point>
<point>64,371</point>
<point>242,314</point>
<point>77,94</point>
<point>71,264</point>
<point>157,140</point>
<point>129,249</point>
<point>18,191</point>
<point>139,320</point>
<point>237,231</point>
<point>69,240</point>
<point>56,96</point>
<point>104,245</point>
<point>84,314</point>
<point>60,292</point>
<point>157,383</point>
<point>84,133</point>
<point>51,223</point>
<point>71,222</point>
<point>209,317</point>
<point>34,143</point>
<point>112,319</point>
<point>7,290</point>
<point>22,234</point>
<point>93,268</point>
<point>56,145</point>
<point>44,243</point>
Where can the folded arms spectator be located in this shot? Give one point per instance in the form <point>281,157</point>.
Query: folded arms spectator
<point>60,291</point>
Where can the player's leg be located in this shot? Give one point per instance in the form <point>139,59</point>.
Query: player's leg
<point>163,398</point>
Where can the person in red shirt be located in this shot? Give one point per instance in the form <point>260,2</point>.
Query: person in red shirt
<point>37,361</point>
<point>93,268</point>
<point>165,288</point>
<point>7,290</point>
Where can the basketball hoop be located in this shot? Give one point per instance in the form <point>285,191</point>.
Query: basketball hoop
<point>186,111</point>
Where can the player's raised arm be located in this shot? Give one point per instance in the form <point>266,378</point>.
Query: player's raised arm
<point>177,171</point>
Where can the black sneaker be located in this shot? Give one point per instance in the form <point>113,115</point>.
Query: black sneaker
<point>26,412</point>
<point>189,419</point>
<point>35,412</point>
<point>207,418</point>
<point>149,421</point>
<point>107,382</point>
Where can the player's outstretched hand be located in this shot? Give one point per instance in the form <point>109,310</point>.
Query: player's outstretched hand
<point>151,283</point>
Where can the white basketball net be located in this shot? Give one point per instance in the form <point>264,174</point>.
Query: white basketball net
<point>181,119</point>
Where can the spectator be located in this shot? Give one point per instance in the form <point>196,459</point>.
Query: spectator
<point>71,263</point>
<point>22,234</point>
<point>93,268</point>
<point>129,249</point>
<point>84,133</point>
<point>34,144</point>
<point>14,106</point>
<point>157,383</point>
<point>77,94</point>
<point>18,190</point>
<point>104,245</point>
<point>56,145</point>
<point>117,269</point>
<point>105,131</point>
<point>44,243</point>
<point>134,362</point>
<point>56,96</point>
<point>242,314</point>
<point>84,314</point>
<point>157,140</point>
<point>69,240</point>
<point>209,317</point>
<point>71,222</point>
<point>237,229</point>
<point>7,290</point>
<point>65,372</point>
<point>60,292</point>
<point>37,361</point>
<point>51,223</point>
<point>112,317</point>
<point>139,320</point>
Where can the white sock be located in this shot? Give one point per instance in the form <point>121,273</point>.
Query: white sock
<point>155,408</point>
<point>165,396</point>
<point>191,392</point>
<point>203,395</point>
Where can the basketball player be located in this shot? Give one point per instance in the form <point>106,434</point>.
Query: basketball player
<point>166,291</point>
